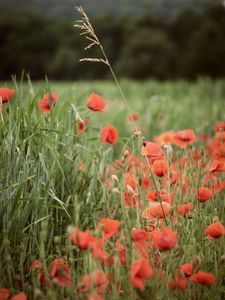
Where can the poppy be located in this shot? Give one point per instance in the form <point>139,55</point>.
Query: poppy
<point>164,138</point>
<point>140,271</point>
<point>47,101</point>
<point>133,117</point>
<point>156,210</point>
<point>130,181</point>
<point>220,126</point>
<point>121,251</point>
<point>60,272</point>
<point>184,209</point>
<point>109,134</point>
<point>165,239</point>
<point>184,137</point>
<point>6,94</point>
<point>81,125</point>
<point>110,227</point>
<point>20,296</point>
<point>180,282</point>
<point>96,102</point>
<point>131,200</point>
<point>81,238</point>
<point>97,280</point>
<point>187,269</point>
<point>152,150</point>
<point>97,251</point>
<point>160,167</point>
<point>215,230</point>
<point>35,265</point>
<point>204,194</point>
<point>4,294</point>
<point>94,296</point>
<point>203,278</point>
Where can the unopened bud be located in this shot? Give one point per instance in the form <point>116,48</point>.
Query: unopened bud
<point>115,191</point>
<point>130,189</point>
<point>115,178</point>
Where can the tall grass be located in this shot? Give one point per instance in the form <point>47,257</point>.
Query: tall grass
<point>54,178</point>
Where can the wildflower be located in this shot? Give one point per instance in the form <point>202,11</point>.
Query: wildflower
<point>110,227</point>
<point>121,251</point>
<point>204,194</point>
<point>215,230</point>
<point>133,117</point>
<point>81,125</point>
<point>60,272</point>
<point>35,265</point>
<point>184,137</point>
<point>97,280</point>
<point>47,101</point>
<point>152,150</point>
<point>6,94</point>
<point>109,134</point>
<point>156,210</point>
<point>160,167</point>
<point>96,102</point>
<point>187,269</point>
<point>140,271</point>
<point>131,200</point>
<point>165,239</point>
<point>94,296</point>
<point>203,278</point>
<point>184,209</point>
<point>20,296</point>
<point>4,294</point>
<point>81,238</point>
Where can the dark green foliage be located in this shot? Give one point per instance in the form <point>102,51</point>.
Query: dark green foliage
<point>187,46</point>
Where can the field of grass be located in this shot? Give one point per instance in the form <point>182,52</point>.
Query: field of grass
<point>57,181</point>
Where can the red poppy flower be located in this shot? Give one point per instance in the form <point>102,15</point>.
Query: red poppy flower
<point>96,102</point>
<point>81,239</point>
<point>139,272</point>
<point>184,137</point>
<point>97,280</point>
<point>110,227</point>
<point>35,265</point>
<point>156,210</point>
<point>220,126</point>
<point>180,282</point>
<point>184,209</point>
<point>152,150</point>
<point>160,167</point>
<point>94,296</point>
<point>203,278</point>
<point>164,138</point>
<point>4,294</point>
<point>97,251</point>
<point>60,272</point>
<point>133,117</point>
<point>81,125</point>
<point>47,101</point>
<point>130,181</point>
<point>165,239</point>
<point>6,94</point>
<point>109,134</point>
<point>187,269</point>
<point>204,194</point>
<point>131,200</point>
<point>121,251</point>
<point>215,230</point>
<point>20,296</point>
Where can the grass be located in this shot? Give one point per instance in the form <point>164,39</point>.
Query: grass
<point>54,178</point>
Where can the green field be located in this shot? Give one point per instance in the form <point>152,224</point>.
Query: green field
<point>54,178</point>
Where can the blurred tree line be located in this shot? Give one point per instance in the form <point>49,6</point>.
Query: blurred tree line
<point>187,46</point>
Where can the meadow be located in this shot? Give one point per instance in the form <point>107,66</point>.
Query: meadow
<point>134,211</point>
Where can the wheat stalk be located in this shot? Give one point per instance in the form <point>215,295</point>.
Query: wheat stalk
<point>88,32</point>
